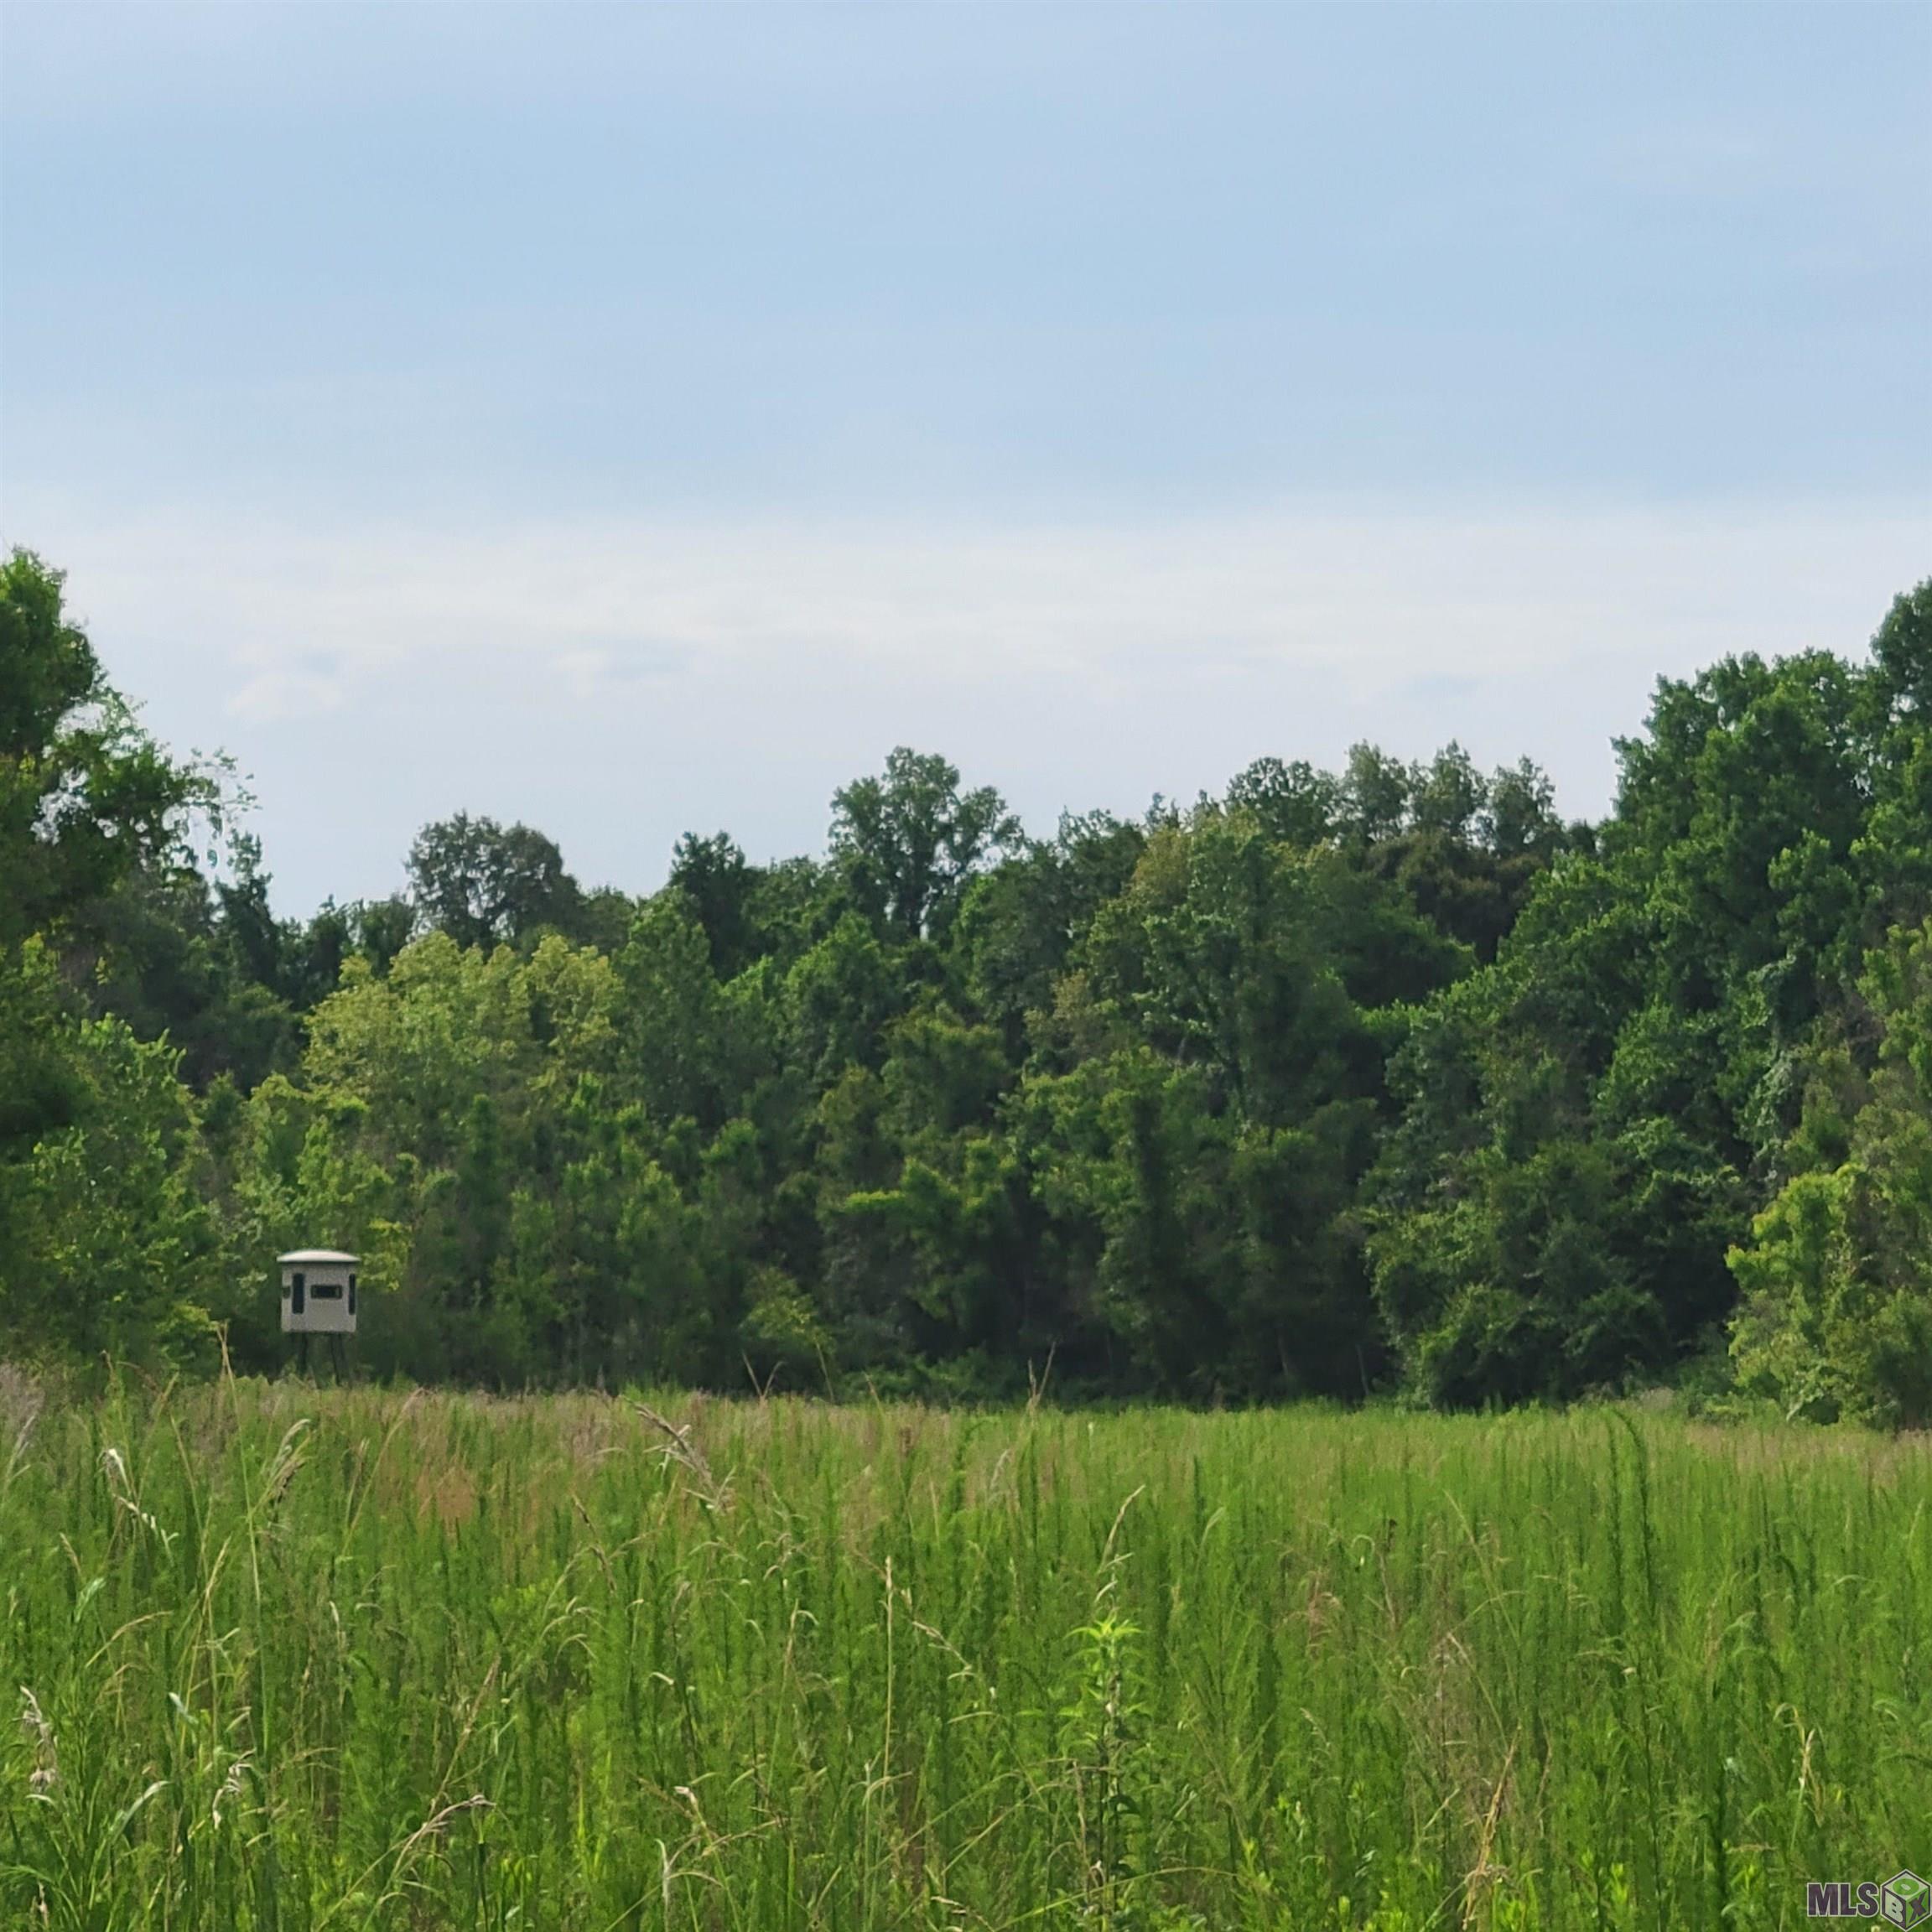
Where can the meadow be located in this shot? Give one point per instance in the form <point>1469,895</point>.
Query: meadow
<point>289,1658</point>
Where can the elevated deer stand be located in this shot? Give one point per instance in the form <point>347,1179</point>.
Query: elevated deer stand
<point>319,1298</point>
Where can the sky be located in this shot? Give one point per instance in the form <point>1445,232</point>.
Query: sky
<point>632,420</point>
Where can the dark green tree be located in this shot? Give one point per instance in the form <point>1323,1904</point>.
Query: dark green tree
<point>910,841</point>
<point>489,885</point>
<point>714,876</point>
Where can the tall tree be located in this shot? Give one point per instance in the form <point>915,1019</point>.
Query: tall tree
<point>85,795</point>
<point>488,885</point>
<point>714,876</point>
<point>100,1231</point>
<point>911,840</point>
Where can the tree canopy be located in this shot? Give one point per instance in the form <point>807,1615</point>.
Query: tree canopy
<point>1338,1083</point>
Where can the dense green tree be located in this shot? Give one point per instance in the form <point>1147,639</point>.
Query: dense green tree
<point>158,958</point>
<point>714,876</point>
<point>382,928</point>
<point>1019,922</point>
<point>486,885</point>
<point>1293,803</point>
<point>85,795</point>
<point>1836,1276</point>
<point>1588,1123</point>
<point>909,841</point>
<point>113,1249</point>
<point>1340,1082</point>
<point>102,1240</point>
<point>85,798</point>
<point>1375,794</point>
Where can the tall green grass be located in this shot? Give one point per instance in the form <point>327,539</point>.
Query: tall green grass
<point>294,1659</point>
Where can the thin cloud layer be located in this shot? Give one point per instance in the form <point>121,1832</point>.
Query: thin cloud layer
<point>623,679</point>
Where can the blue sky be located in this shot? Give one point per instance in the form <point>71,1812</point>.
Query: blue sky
<point>633,419</point>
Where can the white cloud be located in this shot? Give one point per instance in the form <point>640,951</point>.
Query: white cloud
<point>1371,597</point>
<point>620,680</point>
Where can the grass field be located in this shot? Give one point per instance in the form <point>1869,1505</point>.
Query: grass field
<point>297,1659</point>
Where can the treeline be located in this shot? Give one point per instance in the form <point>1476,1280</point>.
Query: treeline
<point>1336,1083</point>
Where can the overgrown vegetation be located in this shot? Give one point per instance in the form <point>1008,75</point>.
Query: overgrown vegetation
<point>301,1659</point>
<point>1332,1084</point>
